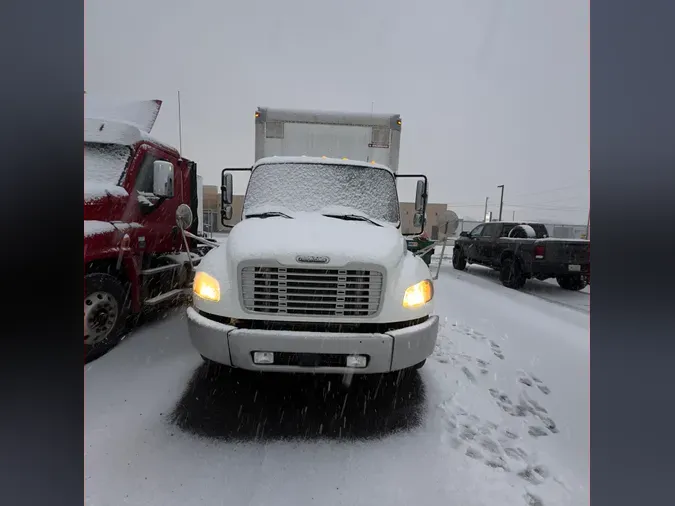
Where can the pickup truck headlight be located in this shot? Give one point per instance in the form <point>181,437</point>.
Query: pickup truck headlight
<point>206,287</point>
<point>418,294</point>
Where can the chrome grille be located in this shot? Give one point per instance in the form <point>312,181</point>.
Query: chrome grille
<point>311,291</point>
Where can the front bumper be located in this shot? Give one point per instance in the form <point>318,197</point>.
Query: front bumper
<point>390,351</point>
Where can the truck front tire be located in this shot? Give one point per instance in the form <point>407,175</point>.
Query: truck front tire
<point>105,311</point>
<point>574,282</point>
<point>458,259</point>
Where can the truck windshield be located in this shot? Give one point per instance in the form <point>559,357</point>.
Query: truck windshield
<point>312,187</point>
<point>105,163</point>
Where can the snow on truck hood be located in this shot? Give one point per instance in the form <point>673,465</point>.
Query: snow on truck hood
<point>283,239</point>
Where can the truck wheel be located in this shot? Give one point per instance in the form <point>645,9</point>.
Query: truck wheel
<point>511,274</point>
<point>105,312</point>
<point>574,282</point>
<point>458,259</point>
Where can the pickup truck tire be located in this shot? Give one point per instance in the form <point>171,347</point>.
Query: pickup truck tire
<point>105,311</point>
<point>458,259</point>
<point>511,275</point>
<point>574,282</point>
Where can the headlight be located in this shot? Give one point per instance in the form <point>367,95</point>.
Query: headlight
<point>206,287</point>
<point>418,294</point>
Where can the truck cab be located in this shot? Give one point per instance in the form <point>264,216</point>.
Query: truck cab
<point>317,276</point>
<point>136,254</point>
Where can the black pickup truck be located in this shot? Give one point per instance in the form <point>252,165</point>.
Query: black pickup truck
<point>520,251</point>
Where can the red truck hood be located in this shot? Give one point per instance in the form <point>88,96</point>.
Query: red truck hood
<point>107,207</point>
<point>105,221</point>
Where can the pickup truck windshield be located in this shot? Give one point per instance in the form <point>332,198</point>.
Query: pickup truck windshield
<point>105,163</point>
<point>312,187</point>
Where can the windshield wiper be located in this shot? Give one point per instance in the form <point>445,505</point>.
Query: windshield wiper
<point>352,217</point>
<point>269,214</point>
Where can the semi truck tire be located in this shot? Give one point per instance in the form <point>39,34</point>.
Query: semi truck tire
<point>574,282</point>
<point>105,310</point>
<point>458,259</point>
<point>510,274</point>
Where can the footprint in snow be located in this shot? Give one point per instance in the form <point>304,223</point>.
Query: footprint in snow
<point>473,453</point>
<point>533,500</point>
<point>538,411</point>
<point>467,433</point>
<point>483,364</point>
<point>497,463</point>
<point>536,431</point>
<point>469,374</point>
<point>496,350</point>
<point>507,405</point>
<point>534,474</point>
<point>531,379</point>
<point>490,445</point>
<point>500,396</point>
<point>516,453</point>
<point>510,434</point>
<point>550,424</point>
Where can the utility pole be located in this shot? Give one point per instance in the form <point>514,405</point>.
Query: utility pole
<point>485,213</point>
<point>513,218</point>
<point>501,201</point>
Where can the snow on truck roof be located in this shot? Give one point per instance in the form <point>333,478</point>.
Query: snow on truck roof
<point>319,160</point>
<point>140,113</point>
<point>118,122</point>
<point>328,117</point>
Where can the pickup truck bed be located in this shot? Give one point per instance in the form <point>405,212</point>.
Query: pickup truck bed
<point>533,255</point>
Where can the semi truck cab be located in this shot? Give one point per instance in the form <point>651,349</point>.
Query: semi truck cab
<point>136,254</point>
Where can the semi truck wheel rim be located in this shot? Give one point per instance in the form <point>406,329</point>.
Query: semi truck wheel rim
<point>100,315</point>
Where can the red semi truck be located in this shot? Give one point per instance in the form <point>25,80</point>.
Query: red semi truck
<point>141,220</point>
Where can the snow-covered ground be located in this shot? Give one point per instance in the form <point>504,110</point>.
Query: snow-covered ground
<point>498,416</point>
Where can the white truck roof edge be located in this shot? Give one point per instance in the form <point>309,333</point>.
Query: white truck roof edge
<point>265,114</point>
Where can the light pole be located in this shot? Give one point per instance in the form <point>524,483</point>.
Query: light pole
<point>501,201</point>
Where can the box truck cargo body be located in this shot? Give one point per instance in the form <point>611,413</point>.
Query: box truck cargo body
<point>355,136</point>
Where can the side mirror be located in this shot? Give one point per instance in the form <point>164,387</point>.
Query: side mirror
<point>418,220</point>
<point>226,213</point>
<point>226,189</point>
<point>184,216</point>
<point>419,196</point>
<point>464,234</point>
<point>162,179</point>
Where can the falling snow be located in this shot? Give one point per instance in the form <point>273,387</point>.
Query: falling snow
<point>163,428</point>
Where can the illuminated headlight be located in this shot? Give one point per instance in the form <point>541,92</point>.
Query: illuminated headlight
<point>418,294</point>
<point>206,287</point>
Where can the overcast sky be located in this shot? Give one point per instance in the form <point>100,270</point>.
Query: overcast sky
<point>490,91</point>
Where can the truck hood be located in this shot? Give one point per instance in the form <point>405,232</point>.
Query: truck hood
<point>106,206</point>
<point>311,234</point>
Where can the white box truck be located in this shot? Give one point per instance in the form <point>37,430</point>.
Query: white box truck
<point>317,276</point>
